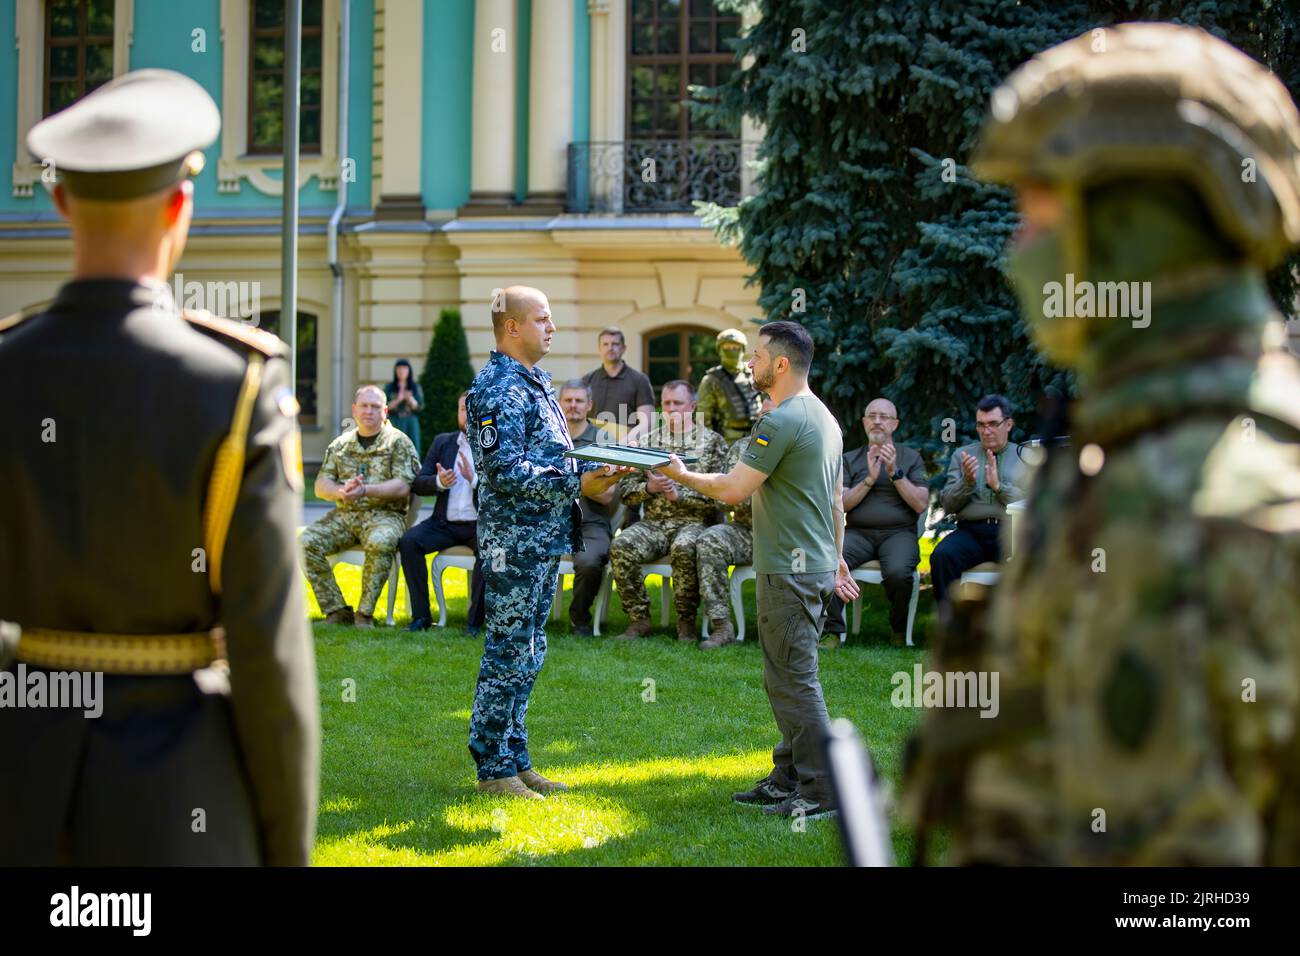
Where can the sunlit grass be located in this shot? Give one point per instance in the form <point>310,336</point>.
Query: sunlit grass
<point>652,773</point>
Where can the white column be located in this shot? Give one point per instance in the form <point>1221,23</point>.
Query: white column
<point>492,176</point>
<point>399,171</point>
<point>550,101</point>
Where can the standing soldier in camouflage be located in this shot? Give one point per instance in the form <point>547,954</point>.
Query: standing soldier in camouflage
<point>729,402</point>
<point>675,516</point>
<point>1147,634</point>
<point>717,548</point>
<point>148,522</point>
<point>528,517</point>
<point>367,472</point>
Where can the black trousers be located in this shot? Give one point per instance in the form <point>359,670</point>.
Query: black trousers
<point>974,542</point>
<point>436,534</point>
<point>588,569</point>
<point>898,553</point>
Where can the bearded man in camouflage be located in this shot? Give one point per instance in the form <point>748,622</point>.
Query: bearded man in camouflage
<point>1147,633</point>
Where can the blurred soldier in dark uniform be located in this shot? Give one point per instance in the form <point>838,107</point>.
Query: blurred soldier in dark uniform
<point>528,516</point>
<point>1147,633</point>
<point>148,524</point>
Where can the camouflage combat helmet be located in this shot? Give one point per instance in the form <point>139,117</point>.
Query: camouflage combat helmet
<point>1154,98</point>
<point>733,335</point>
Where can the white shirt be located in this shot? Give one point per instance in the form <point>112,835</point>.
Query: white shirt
<point>460,499</point>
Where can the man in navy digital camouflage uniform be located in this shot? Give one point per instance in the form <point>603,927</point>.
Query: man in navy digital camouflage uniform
<point>528,517</point>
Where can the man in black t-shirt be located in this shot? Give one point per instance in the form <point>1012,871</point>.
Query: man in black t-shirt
<point>884,491</point>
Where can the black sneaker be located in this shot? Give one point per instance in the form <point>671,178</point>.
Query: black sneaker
<point>420,624</point>
<point>582,630</point>
<point>767,792</point>
<point>797,806</point>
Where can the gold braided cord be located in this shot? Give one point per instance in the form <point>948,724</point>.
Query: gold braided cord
<point>228,472</point>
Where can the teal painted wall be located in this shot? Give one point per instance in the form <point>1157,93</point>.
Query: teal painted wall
<point>9,119</point>
<point>447,122</point>
<point>581,72</point>
<point>163,38</point>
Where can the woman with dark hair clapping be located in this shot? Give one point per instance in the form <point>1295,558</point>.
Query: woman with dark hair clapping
<point>404,400</point>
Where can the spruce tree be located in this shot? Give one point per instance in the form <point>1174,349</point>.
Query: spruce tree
<point>447,373</point>
<point>867,226</point>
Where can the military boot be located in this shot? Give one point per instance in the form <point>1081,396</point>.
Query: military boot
<point>508,787</point>
<point>342,616</point>
<point>686,630</point>
<point>638,628</point>
<point>721,634</point>
<point>535,782</point>
<point>364,620</point>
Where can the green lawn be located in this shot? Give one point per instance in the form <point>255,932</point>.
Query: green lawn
<point>652,777</point>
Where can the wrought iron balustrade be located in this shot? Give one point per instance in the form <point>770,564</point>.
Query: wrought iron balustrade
<point>657,176</point>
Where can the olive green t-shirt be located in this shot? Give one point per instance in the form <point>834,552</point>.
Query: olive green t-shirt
<point>799,447</point>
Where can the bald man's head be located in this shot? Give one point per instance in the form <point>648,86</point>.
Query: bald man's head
<point>880,420</point>
<point>514,302</point>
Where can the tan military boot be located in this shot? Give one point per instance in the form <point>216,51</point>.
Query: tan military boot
<point>639,628</point>
<point>685,630</point>
<point>535,782</point>
<point>364,620</point>
<point>508,787</point>
<point>721,633</point>
<point>342,616</point>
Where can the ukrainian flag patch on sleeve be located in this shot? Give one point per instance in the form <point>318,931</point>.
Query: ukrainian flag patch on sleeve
<point>487,435</point>
<point>761,440</point>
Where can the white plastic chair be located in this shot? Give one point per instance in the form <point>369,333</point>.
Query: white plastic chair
<point>457,556</point>
<point>357,557</point>
<point>986,573</point>
<point>871,573</point>
<point>740,573</point>
<point>606,581</point>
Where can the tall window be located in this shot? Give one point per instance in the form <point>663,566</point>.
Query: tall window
<point>680,352</point>
<point>672,45</point>
<point>266,77</point>
<point>78,50</point>
<point>306,384</point>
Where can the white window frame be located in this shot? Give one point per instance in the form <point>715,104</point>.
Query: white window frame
<point>29,38</point>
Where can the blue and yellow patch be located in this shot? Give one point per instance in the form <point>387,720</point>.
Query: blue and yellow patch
<point>761,440</point>
<point>486,421</point>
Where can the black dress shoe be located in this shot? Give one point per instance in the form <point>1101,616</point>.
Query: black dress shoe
<point>420,624</point>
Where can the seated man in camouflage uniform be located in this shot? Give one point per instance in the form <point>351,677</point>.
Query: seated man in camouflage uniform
<point>672,513</point>
<point>707,557</point>
<point>367,472</point>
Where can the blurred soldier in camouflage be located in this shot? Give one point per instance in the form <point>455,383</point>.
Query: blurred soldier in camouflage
<point>1147,634</point>
<point>528,516</point>
<point>367,472</point>
<point>708,556</point>
<point>675,516</point>
<point>728,399</point>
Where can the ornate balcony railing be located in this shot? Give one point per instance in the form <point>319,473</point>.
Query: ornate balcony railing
<point>658,176</point>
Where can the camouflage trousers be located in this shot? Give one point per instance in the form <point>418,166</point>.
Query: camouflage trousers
<point>517,599</point>
<point>377,532</point>
<point>647,541</point>
<point>704,558</point>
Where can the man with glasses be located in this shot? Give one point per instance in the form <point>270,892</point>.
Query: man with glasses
<point>983,478</point>
<point>884,491</point>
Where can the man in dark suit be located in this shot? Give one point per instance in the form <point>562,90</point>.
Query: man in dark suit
<point>149,517</point>
<point>448,472</point>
